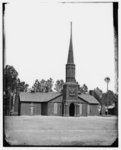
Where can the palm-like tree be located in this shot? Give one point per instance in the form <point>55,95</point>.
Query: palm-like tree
<point>107,80</point>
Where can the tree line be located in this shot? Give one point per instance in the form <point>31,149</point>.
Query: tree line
<point>12,84</point>
<point>11,81</point>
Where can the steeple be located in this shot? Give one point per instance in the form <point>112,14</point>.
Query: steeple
<point>70,54</point>
<point>70,88</point>
<point>70,66</point>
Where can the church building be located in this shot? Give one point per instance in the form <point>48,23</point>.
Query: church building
<point>67,103</point>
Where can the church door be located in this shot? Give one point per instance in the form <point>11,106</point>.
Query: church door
<point>72,109</point>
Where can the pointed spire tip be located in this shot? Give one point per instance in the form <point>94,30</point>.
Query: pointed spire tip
<point>70,54</point>
<point>71,27</point>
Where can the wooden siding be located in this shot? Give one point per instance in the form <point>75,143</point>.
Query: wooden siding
<point>51,109</point>
<point>44,108</point>
<point>17,106</point>
<point>25,109</point>
<point>60,109</point>
<point>94,110</point>
<point>58,102</point>
<point>55,108</point>
<point>84,109</point>
<point>30,108</point>
<point>37,108</point>
<point>80,109</point>
<point>77,110</point>
<point>88,109</point>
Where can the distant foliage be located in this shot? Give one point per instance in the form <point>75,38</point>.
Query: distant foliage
<point>105,98</point>
<point>10,78</point>
<point>83,89</point>
<point>43,85</point>
<point>12,82</point>
<point>22,86</point>
<point>36,86</point>
<point>49,85</point>
<point>109,98</point>
<point>12,85</point>
<point>59,85</point>
<point>97,93</point>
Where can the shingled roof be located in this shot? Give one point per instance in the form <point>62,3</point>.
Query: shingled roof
<point>45,97</point>
<point>38,97</point>
<point>88,98</point>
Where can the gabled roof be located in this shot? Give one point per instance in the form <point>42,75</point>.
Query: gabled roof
<point>38,97</point>
<point>45,97</point>
<point>88,98</point>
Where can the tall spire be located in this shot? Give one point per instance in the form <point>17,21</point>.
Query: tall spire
<point>70,54</point>
<point>70,66</point>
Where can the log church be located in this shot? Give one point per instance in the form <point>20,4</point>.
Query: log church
<point>67,103</point>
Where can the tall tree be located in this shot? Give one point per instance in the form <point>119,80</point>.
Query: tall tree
<point>97,93</point>
<point>109,98</point>
<point>59,85</point>
<point>11,85</point>
<point>36,86</point>
<point>10,78</point>
<point>49,85</point>
<point>43,85</point>
<point>107,80</point>
<point>22,86</point>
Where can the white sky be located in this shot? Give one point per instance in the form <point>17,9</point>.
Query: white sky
<point>38,36</point>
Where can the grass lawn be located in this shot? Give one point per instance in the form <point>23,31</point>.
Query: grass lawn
<point>60,131</point>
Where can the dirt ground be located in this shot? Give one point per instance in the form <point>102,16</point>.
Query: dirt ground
<point>60,131</point>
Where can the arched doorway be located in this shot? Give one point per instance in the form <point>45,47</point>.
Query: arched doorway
<point>72,109</point>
